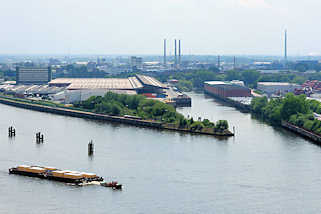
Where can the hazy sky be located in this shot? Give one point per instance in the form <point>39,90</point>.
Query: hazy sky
<point>139,26</point>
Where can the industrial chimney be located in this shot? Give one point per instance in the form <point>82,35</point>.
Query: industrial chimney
<point>285,46</point>
<point>165,63</point>
<point>175,54</point>
<point>179,52</point>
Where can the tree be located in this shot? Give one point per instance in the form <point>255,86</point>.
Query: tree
<point>115,109</point>
<point>208,123</point>
<point>294,104</point>
<point>233,75</point>
<point>221,125</point>
<point>182,123</point>
<point>197,126</point>
<point>250,78</point>
<point>301,67</point>
<point>299,80</point>
<point>258,103</point>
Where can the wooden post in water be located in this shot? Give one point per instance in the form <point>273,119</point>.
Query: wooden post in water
<point>11,131</point>
<point>90,148</point>
<point>39,137</point>
<point>234,130</point>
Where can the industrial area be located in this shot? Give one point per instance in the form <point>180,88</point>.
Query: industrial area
<point>37,84</point>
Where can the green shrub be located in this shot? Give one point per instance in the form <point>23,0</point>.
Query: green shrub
<point>308,125</point>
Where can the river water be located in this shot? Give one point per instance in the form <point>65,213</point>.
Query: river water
<point>260,170</point>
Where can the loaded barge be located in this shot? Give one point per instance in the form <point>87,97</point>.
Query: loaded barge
<point>52,173</point>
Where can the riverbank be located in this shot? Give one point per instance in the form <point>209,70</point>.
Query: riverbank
<point>66,111</point>
<point>304,133</point>
<point>286,125</point>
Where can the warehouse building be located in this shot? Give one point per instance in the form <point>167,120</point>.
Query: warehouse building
<point>30,90</point>
<point>79,89</point>
<point>139,83</point>
<point>71,90</point>
<point>277,87</point>
<point>227,89</point>
<point>29,76</point>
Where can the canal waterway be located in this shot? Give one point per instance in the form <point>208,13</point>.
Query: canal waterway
<point>260,170</point>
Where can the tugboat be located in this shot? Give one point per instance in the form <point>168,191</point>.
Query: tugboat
<point>114,185</point>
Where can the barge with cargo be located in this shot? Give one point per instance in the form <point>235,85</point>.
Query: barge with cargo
<point>67,176</point>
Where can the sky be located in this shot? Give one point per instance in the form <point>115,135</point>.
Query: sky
<point>138,27</point>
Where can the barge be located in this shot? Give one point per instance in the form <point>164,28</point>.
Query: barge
<point>52,173</point>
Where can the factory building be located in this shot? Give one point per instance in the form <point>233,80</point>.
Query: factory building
<point>277,87</point>
<point>227,89</point>
<point>37,76</point>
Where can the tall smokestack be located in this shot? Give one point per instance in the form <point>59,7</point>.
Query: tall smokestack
<point>219,62</point>
<point>179,52</point>
<point>165,63</point>
<point>234,63</point>
<point>175,54</point>
<point>285,46</point>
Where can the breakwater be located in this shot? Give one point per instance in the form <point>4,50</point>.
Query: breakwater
<point>94,116</point>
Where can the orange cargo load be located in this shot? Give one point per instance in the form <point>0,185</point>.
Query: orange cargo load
<point>58,173</point>
<point>23,168</point>
<point>35,169</point>
<point>88,175</point>
<point>73,175</point>
<point>50,168</point>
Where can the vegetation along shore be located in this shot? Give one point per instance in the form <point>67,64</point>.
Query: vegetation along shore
<point>290,111</point>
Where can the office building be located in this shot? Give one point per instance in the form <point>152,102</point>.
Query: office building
<point>27,76</point>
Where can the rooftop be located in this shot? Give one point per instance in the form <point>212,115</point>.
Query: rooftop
<point>215,82</point>
<point>98,83</point>
<point>233,82</point>
<point>275,83</point>
<point>150,81</point>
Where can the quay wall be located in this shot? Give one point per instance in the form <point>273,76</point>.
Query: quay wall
<point>310,135</point>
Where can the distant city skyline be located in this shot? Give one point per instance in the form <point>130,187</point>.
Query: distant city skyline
<point>124,27</point>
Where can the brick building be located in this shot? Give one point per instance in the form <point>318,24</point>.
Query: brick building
<point>227,89</point>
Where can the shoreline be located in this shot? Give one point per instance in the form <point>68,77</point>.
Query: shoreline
<point>302,132</point>
<point>285,125</point>
<point>23,103</point>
